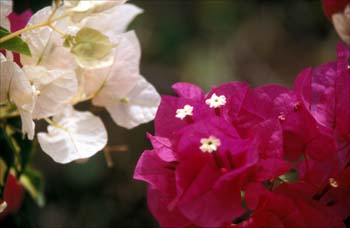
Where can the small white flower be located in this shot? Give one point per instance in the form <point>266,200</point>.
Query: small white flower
<point>210,144</point>
<point>216,101</point>
<point>187,110</point>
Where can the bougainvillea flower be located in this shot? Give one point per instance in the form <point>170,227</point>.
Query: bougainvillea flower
<point>19,21</point>
<point>269,156</point>
<point>16,88</point>
<point>158,205</point>
<point>198,181</point>
<point>127,96</point>
<point>292,206</point>
<point>119,78</point>
<point>53,89</point>
<point>46,45</point>
<point>326,95</point>
<point>138,106</point>
<point>256,107</point>
<point>121,16</point>
<point>342,89</point>
<point>168,120</point>
<point>73,135</point>
<point>202,156</point>
<point>233,94</point>
<point>80,9</point>
<point>188,91</point>
<point>5,10</point>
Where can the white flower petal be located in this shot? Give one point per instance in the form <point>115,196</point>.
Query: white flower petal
<point>79,135</point>
<point>117,80</point>
<point>15,87</point>
<point>28,125</point>
<point>54,88</point>
<point>46,45</point>
<point>5,10</point>
<point>2,57</point>
<point>120,15</point>
<point>5,78</point>
<point>80,9</point>
<point>137,107</point>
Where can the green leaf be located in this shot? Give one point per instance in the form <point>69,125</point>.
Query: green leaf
<point>20,147</point>
<point>15,150</point>
<point>290,177</point>
<point>33,182</point>
<point>24,146</point>
<point>91,47</point>
<point>15,44</point>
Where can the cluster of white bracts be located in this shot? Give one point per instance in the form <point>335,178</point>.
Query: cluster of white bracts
<point>53,79</point>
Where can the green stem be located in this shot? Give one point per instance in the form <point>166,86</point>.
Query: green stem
<point>26,29</point>
<point>9,115</point>
<point>54,124</point>
<point>19,32</point>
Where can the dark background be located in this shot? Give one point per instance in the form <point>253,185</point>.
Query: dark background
<point>204,42</point>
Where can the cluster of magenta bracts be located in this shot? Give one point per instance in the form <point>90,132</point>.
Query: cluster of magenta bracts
<point>264,157</point>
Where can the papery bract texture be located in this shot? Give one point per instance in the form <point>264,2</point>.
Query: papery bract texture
<point>80,9</point>
<point>46,45</point>
<point>15,87</point>
<point>137,106</point>
<point>5,10</point>
<point>73,135</point>
<point>292,206</point>
<point>263,157</point>
<point>121,16</point>
<point>54,89</point>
